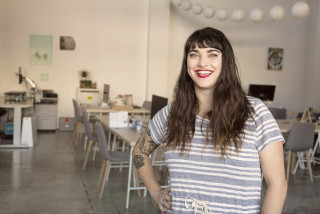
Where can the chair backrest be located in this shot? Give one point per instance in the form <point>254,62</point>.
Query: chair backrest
<point>278,113</point>
<point>147,105</point>
<point>87,127</point>
<point>301,137</point>
<point>76,110</point>
<point>102,141</point>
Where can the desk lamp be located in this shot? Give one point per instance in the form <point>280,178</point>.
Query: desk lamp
<point>29,83</point>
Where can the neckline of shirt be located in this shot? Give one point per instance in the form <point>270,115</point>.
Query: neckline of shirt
<point>203,119</point>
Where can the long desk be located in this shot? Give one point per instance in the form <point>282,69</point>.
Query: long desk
<point>285,127</point>
<point>17,112</point>
<point>129,136</point>
<point>105,110</point>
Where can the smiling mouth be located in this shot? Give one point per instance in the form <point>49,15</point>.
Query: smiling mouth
<point>203,73</point>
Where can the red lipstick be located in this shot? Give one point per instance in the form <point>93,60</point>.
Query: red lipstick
<point>203,73</point>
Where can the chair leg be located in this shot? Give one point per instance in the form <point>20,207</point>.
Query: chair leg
<point>101,173</point>
<point>87,154</point>
<point>75,132</point>
<point>293,158</point>
<point>288,166</point>
<point>78,133</point>
<point>309,166</point>
<point>95,151</point>
<point>108,173</point>
<point>104,179</point>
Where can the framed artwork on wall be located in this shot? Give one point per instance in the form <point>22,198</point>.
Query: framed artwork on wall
<point>40,50</point>
<point>70,43</point>
<point>275,59</point>
<point>67,43</point>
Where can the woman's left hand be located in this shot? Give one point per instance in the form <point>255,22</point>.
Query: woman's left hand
<point>163,199</point>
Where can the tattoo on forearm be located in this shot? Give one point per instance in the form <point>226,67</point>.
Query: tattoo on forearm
<point>148,131</point>
<point>138,161</point>
<point>141,143</point>
<point>152,146</point>
<point>145,144</point>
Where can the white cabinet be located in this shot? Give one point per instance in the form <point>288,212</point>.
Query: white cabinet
<point>88,96</point>
<point>46,116</point>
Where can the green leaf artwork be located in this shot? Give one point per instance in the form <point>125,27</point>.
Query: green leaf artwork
<point>40,50</point>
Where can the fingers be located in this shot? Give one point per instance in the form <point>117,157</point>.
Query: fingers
<point>161,207</point>
<point>167,205</point>
<point>166,199</point>
<point>168,189</point>
<point>168,196</point>
<point>163,199</point>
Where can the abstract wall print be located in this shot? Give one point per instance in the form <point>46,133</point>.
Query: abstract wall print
<point>275,59</point>
<point>40,50</point>
<point>67,43</point>
<point>44,77</point>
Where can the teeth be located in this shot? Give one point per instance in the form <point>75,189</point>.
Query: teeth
<point>204,72</point>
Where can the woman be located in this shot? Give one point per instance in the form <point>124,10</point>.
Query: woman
<point>218,140</point>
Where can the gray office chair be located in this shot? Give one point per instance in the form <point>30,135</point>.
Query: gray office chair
<point>79,122</point>
<point>90,136</point>
<point>278,113</point>
<point>108,156</point>
<point>147,105</point>
<point>301,139</point>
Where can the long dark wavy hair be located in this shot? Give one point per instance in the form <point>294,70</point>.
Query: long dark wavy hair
<point>230,107</point>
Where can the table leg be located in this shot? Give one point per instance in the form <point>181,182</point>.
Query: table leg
<point>17,126</point>
<point>312,158</point>
<point>129,178</point>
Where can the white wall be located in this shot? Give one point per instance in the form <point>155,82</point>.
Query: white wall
<point>136,46</point>
<point>112,37</point>
<point>251,42</point>
<point>158,47</point>
<point>312,97</point>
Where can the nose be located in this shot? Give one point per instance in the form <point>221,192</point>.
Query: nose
<point>203,61</point>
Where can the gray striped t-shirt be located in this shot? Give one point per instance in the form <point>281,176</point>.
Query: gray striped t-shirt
<point>203,180</point>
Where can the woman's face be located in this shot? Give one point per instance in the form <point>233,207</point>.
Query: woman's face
<point>204,67</point>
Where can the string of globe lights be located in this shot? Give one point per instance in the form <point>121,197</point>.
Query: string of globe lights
<point>300,10</point>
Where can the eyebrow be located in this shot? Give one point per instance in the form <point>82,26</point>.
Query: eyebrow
<point>208,51</point>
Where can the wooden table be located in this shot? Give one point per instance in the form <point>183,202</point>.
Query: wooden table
<point>105,110</point>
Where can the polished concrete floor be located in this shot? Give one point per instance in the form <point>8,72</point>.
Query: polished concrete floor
<point>48,179</point>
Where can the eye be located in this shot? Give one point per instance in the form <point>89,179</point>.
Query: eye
<point>213,55</point>
<point>193,55</point>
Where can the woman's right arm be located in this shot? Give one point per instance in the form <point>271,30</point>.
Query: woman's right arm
<point>141,152</point>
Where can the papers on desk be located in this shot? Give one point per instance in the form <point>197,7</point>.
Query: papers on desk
<point>118,119</point>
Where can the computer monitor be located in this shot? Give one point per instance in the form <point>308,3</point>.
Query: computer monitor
<point>106,95</point>
<point>263,92</point>
<point>157,103</point>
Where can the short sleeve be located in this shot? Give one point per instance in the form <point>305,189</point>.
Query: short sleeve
<point>158,125</point>
<point>267,129</point>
